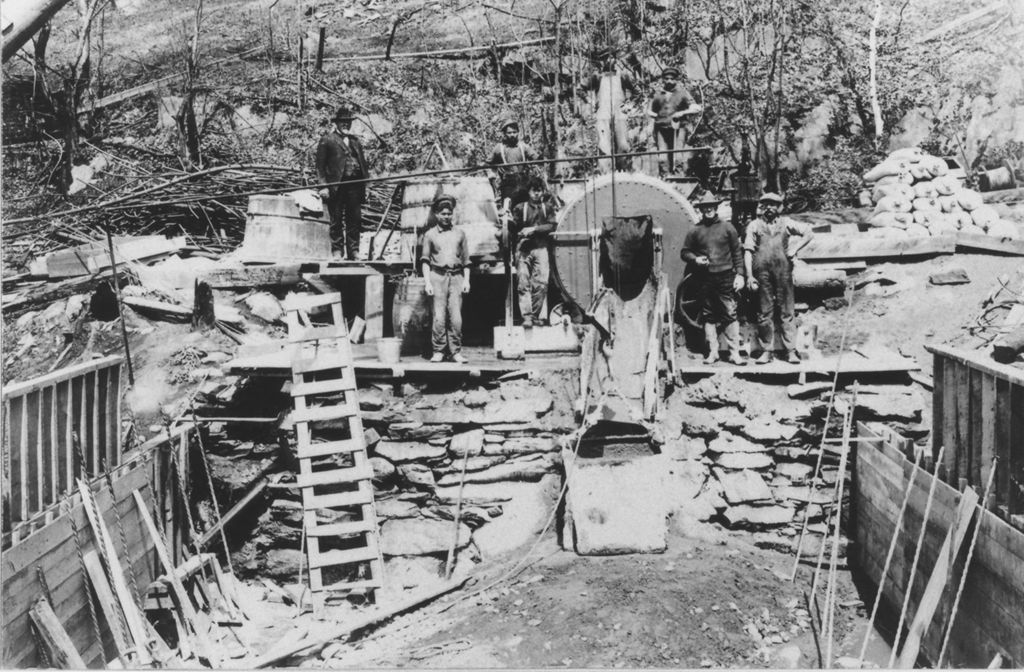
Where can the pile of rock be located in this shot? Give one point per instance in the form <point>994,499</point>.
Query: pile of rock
<point>506,439</point>
<point>914,193</point>
<point>753,467</point>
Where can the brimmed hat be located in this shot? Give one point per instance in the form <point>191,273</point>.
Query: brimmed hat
<point>505,123</point>
<point>707,200</point>
<point>444,199</point>
<point>770,197</point>
<point>670,71</point>
<point>343,114</point>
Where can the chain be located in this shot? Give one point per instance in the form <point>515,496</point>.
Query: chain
<point>44,651</point>
<point>85,574</point>
<point>77,444</point>
<point>124,539</point>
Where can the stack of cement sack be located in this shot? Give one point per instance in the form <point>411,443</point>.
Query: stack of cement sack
<point>914,194</point>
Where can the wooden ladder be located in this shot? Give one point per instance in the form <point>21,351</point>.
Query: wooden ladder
<point>334,473</point>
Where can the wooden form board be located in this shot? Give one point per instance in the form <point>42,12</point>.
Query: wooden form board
<point>53,548</point>
<point>830,246</point>
<point>988,619</point>
<point>44,419</point>
<point>978,414</point>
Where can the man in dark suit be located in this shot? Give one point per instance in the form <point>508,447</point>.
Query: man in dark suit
<point>340,158</point>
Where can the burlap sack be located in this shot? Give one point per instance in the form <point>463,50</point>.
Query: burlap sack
<point>926,204</point>
<point>925,189</point>
<point>907,154</point>
<point>897,189</point>
<point>885,169</point>
<point>969,199</point>
<point>917,231</point>
<point>1004,229</point>
<point>984,216</point>
<point>893,204</point>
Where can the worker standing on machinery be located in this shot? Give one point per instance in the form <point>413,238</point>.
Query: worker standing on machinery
<point>608,98</point>
<point>445,264</point>
<point>768,257</point>
<point>713,250</point>
<point>340,158</point>
<point>511,180</point>
<point>533,220</point>
<point>669,108</point>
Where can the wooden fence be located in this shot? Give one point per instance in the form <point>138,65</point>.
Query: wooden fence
<point>58,427</point>
<point>978,414</point>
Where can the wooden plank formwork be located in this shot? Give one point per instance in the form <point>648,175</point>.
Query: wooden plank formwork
<point>988,620</point>
<point>978,414</point>
<point>52,423</point>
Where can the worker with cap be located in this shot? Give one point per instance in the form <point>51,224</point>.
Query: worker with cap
<point>533,220</point>
<point>712,248</point>
<point>340,159</point>
<point>607,90</point>
<point>669,108</point>
<point>769,251</point>
<point>444,261</point>
<point>511,179</point>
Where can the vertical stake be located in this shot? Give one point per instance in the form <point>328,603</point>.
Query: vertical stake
<point>120,309</point>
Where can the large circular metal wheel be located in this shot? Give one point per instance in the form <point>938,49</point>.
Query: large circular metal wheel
<point>687,305</point>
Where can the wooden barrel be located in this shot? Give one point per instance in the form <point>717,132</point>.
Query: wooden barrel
<point>276,230</point>
<point>411,315</point>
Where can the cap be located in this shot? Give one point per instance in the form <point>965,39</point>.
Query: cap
<point>342,114</point>
<point>670,71</point>
<point>444,199</point>
<point>770,197</point>
<point>505,123</point>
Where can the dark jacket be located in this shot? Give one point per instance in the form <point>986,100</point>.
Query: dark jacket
<point>336,162</point>
<point>543,217</point>
<point>719,241</point>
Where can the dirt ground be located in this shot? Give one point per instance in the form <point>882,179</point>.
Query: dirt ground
<point>711,600</point>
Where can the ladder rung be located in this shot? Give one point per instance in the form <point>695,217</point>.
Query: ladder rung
<point>322,362</point>
<point>343,384</point>
<point>363,584</point>
<point>305,334</point>
<point>330,448</point>
<point>341,529</point>
<point>334,412</point>
<point>360,496</point>
<point>336,557</point>
<point>361,473</point>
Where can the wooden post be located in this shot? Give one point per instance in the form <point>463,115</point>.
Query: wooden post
<point>52,635</point>
<point>203,316</point>
<point>373,307</point>
<point>120,308</point>
<point>320,49</point>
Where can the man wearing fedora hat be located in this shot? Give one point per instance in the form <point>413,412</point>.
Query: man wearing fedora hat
<point>668,109</point>
<point>511,180</point>
<point>340,159</point>
<point>712,248</point>
<point>768,256</point>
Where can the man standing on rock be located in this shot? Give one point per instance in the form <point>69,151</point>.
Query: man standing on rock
<point>768,257</point>
<point>533,220</point>
<point>712,248</point>
<point>340,159</point>
<point>511,180</point>
<point>445,265</point>
<point>668,108</point>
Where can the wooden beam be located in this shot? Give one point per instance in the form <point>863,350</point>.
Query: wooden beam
<point>189,614</point>
<point>985,243</point>
<point>978,360</point>
<point>373,307</point>
<point>269,275</point>
<point>21,389</point>
<point>52,635</point>
<point>212,533</point>
<point>831,247</point>
<point>108,605</point>
<point>937,582</point>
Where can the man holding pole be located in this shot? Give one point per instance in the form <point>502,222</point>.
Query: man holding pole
<point>340,159</point>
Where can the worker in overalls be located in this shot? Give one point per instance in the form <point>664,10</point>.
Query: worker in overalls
<point>713,251</point>
<point>769,251</point>
<point>511,180</point>
<point>533,220</point>
<point>608,89</point>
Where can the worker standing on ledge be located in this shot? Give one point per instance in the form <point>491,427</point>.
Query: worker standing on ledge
<point>511,180</point>
<point>768,257</point>
<point>713,250</point>
<point>669,108</point>
<point>340,158</point>
<point>533,220</point>
<point>445,265</point>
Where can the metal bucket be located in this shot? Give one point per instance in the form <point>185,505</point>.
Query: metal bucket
<point>389,350</point>
<point>411,315</point>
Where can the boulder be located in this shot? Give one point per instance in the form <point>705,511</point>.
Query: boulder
<point>371,399</point>
<point>390,507</point>
<point>794,471</point>
<point>526,505</point>
<point>514,410</point>
<point>420,536</point>
<point>417,475</point>
<point>730,443</point>
<point>716,391</point>
<point>698,421</point>
<point>471,441</point>
<point>402,452</point>
<point>522,446</point>
<point>235,477</point>
<point>949,276</point>
<point>282,563</point>
<point>477,398</point>
<point>531,468</point>
<point>413,572</point>
<point>684,482</point>
<point>382,469</point>
<point>743,486</point>
<point>743,460</point>
<point>265,306</point>
<point>744,515</point>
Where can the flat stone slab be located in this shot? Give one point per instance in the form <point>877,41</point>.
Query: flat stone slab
<point>743,515</point>
<point>744,460</point>
<point>730,443</point>
<point>400,452</point>
<point>743,486</point>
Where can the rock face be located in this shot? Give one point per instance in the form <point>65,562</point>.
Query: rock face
<point>419,536</point>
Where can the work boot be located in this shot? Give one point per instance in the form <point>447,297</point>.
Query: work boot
<point>527,323</point>
<point>736,358</point>
<point>732,339</point>
<point>459,358</point>
<point>437,358</point>
<point>765,358</point>
<point>711,336</point>
<point>792,357</point>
